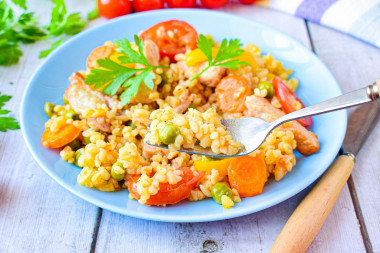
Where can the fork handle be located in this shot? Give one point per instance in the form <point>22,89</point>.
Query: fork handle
<point>354,98</point>
<point>308,218</point>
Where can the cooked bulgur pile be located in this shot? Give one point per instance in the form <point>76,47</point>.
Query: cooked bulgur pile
<point>102,125</point>
<point>184,130</point>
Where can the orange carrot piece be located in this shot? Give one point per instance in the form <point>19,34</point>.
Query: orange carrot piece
<point>63,136</point>
<point>247,175</point>
<point>231,93</point>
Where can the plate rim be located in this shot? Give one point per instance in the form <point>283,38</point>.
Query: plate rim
<point>180,218</point>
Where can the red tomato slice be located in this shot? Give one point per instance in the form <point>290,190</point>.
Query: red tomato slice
<point>172,37</point>
<point>288,99</point>
<point>169,194</point>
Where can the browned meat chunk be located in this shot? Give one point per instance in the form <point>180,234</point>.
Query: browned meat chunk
<point>307,141</point>
<point>81,97</point>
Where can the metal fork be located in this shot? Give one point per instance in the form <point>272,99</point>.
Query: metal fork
<point>251,132</point>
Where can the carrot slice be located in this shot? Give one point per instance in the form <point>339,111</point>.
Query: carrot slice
<point>60,138</point>
<point>231,93</point>
<point>247,175</point>
<point>169,194</point>
<point>99,53</point>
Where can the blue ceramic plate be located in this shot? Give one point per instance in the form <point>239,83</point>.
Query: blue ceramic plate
<point>316,84</point>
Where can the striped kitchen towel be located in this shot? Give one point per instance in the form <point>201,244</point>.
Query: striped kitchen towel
<point>359,18</point>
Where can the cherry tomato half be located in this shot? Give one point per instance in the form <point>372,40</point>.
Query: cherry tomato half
<point>181,3</point>
<point>169,194</point>
<point>288,100</point>
<point>247,1</point>
<point>147,5</point>
<point>212,4</point>
<point>172,37</point>
<point>114,8</point>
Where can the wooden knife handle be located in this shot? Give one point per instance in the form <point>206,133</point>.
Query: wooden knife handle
<point>308,218</point>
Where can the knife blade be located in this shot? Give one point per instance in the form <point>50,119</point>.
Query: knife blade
<point>360,125</point>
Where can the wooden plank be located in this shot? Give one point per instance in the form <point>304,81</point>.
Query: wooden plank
<point>36,214</point>
<point>356,64</point>
<point>251,233</point>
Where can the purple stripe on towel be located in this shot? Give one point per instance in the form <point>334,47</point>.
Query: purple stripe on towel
<point>313,9</point>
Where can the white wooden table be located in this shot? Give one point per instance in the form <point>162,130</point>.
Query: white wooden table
<point>38,215</point>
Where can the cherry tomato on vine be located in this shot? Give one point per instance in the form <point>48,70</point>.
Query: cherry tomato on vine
<point>181,3</point>
<point>212,4</point>
<point>147,5</point>
<point>114,8</point>
<point>172,37</point>
<point>247,1</point>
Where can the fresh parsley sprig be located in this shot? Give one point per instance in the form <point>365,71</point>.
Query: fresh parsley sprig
<point>23,29</point>
<point>228,50</point>
<point>61,25</point>
<point>115,75</point>
<point>6,123</point>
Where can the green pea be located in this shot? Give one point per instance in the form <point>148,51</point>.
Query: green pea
<point>168,133</point>
<point>209,158</point>
<point>117,171</point>
<point>49,109</point>
<point>220,189</point>
<point>78,154</point>
<point>65,102</point>
<point>71,114</point>
<point>75,145</point>
<point>267,86</point>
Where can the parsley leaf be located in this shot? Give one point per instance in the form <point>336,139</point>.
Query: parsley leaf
<point>13,31</point>
<point>53,46</point>
<point>6,122</point>
<point>61,24</point>
<point>94,14</point>
<point>9,52</point>
<point>20,3</point>
<point>115,75</point>
<point>226,56</point>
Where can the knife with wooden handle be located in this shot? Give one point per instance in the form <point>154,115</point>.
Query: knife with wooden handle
<point>309,217</point>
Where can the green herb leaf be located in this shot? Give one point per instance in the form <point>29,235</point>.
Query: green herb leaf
<point>53,46</point>
<point>205,45</point>
<point>4,99</point>
<point>117,76</point>
<point>94,14</point>
<point>6,122</point>
<point>74,24</point>
<point>13,31</point>
<point>20,3</point>
<point>124,47</point>
<point>9,52</point>
<point>224,58</point>
<point>61,23</point>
